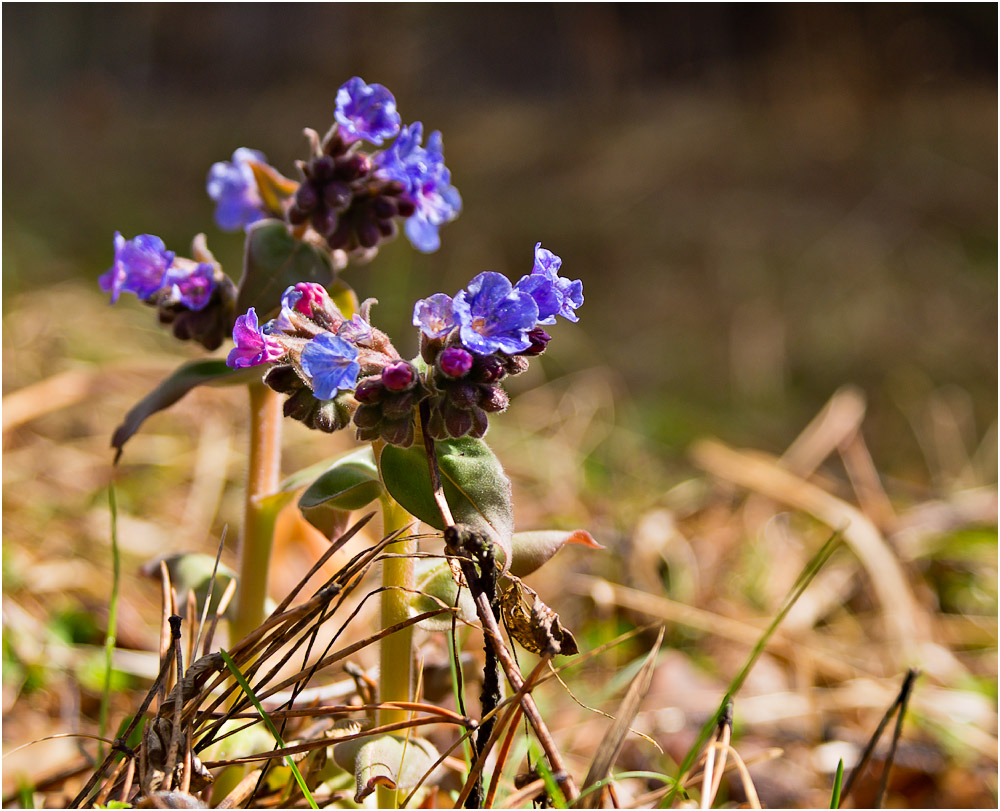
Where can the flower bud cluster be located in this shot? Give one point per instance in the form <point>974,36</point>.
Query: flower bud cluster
<point>351,198</point>
<point>193,296</point>
<point>335,370</point>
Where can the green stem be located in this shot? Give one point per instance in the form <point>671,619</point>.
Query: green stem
<point>258,521</point>
<point>396,650</point>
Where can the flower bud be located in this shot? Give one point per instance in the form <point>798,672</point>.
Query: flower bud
<point>398,405</point>
<point>399,376</point>
<point>332,415</point>
<point>283,379</point>
<point>353,166</point>
<point>493,399</point>
<point>455,362</point>
<point>384,208</point>
<point>488,369</point>
<point>515,364</point>
<point>337,195</point>
<point>539,340</point>
<point>369,391</point>
<point>463,395</point>
<point>480,422</point>
<point>457,421</point>
<point>301,405</point>
<point>406,207</point>
<point>306,198</point>
<point>398,432</point>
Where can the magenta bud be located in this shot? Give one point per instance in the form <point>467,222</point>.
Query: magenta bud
<point>455,361</point>
<point>399,376</point>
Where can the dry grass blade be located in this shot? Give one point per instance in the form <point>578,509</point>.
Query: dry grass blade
<point>906,621</point>
<point>612,743</point>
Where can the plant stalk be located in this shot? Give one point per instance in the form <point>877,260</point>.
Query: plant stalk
<point>258,522</point>
<point>395,651</point>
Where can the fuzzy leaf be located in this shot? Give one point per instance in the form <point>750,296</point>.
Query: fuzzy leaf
<point>350,483</point>
<point>275,260</point>
<point>437,587</point>
<point>210,372</point>
<point>475,486</point>
<point>386,760</point>
<point>532,549</point>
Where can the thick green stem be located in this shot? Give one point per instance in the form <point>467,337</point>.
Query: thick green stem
<point>258,521</point>
<point>396,650</point>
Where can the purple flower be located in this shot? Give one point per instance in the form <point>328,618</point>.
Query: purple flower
<point>427,183</point>
<point>234,189</point>
<point>493,316</point>
<point>138,267</point>
<point>553,294</point>
<point>191,285</point>
<point>366,111</point>
<point>356,330</point>
<point>253,347</point>
<point>435,315</point>
<point>331,364</point>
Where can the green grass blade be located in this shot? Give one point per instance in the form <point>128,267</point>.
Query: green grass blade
<point>838,781</point>
<point>597,786</point>
<point>551,786</point>
<point>269,724</point>
<point>810,570</point>
<point>109,639</point>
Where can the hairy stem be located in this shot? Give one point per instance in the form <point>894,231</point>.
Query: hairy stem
<point>396,650</point>
<point>258,521</point>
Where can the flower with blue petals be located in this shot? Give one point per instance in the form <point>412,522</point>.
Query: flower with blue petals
<point>435,315</point>
<point>253,346</point>
<point>331,364</point>
<point>493,316</point>
<point>139,266</point>
<point>231,184</point>
<point>426,181</point>
<point>553,294</point>
<point>366,111</point>
<point>190,284</point>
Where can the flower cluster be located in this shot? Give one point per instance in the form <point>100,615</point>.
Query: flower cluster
<point>337,370</point>
<point>350,197</point>
<point>194,296</point>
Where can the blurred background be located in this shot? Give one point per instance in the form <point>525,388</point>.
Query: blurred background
<point>764,203</point>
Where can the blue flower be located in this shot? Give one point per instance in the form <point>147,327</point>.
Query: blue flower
<point>191,284</point>
<point>138,267</point>
<point>493,316</point>
<point>366,111</point>
<point>553,294</point>
<point>435,315</point>
<point>426,181</point>
<point>331,364</point>
<point>234,189</point>
<point>253,347</point>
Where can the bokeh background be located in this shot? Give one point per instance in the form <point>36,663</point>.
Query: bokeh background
<point>765,203</point>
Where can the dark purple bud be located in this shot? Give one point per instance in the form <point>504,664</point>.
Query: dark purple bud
<point>296,216</point>
<point>369,391</point>
<point>283,379</point>
<point>393,188</point>
<point>406,207</point>
<point>353,166</point>
<point>398,432</point>
<point>515,364</point>
<point>463,395</point>
<point>398,405</point>
<point>399,376</point>
<point>455,362</point>
<point>456,421</point>
<point>322,168</point>
<point>367,234</point>
<point>342,236</point>
<point>384,208</point>
<point>367,416</point>
<point>329,417</point>
<point>301,405</point>
<point>480,423</point>
<point>493,399</point>
<point>325,221</point>
<point>435,425</point>
<point>387,228</point>
<point>306,197</point>
<point>488,369</point>
<point>539,340</point>
<point>337,195</point>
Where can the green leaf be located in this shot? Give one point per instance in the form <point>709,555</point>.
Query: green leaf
<point>274,261</point>
<point>387,760</point>
<point>475,487</point>
<point>350,483</point>
<point>210,372</point>
<point>437,587</point>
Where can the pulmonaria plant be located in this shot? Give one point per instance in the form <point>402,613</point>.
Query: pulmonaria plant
<point>338,370</point>
<point>348,201</point>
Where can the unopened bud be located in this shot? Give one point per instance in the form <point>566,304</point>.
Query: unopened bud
<point>515,364</point>
<point>457,421</point>
<point>455,362</point>
<point>369,391</point>
<point>480,422</point>
<point>488,369</point>
<point>399,376</point>
<point>539,340</point>
<point>283,379</point>
<point>398,405</point>
<point>337,195</point>
<point>493,399</point>
<point>463,395</point>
